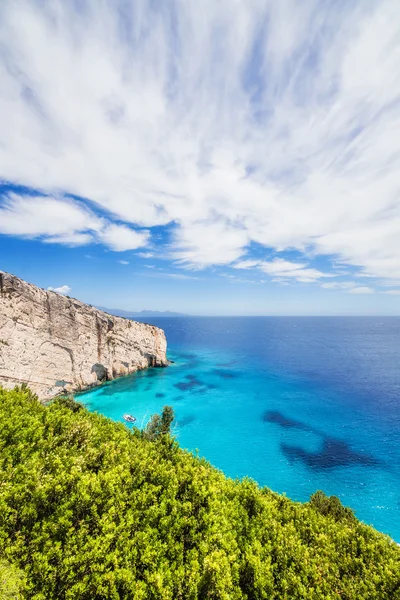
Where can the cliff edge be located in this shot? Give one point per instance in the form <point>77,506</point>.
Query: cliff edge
<point>56,344</point>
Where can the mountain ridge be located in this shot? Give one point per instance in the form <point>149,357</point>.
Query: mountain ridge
<point>128,314</point>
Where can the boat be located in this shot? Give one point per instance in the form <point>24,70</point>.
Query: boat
<point>129,418</point>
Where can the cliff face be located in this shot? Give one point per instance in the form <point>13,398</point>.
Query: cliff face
<point>55,344</point>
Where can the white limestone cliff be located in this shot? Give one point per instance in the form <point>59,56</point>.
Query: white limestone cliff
<point>56,344</point>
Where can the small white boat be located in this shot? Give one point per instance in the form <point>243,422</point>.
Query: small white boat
<point>129,418</point>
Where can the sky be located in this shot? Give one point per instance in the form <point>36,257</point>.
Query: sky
<point>230,157</point>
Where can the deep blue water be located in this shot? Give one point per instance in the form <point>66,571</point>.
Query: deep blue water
<point>298,404</point>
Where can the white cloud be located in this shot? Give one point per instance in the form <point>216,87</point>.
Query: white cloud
<point>361,290</point>
<point>63,289</point>
<point>392,292</point>
<point>280,281</point>
<point>350,287</point>
<point>208,243</point>
<point>123,262</point>
<point>271,122</point>
<point>37,216</point>
<point>284,269</point>
<point>246,264</point>
<point>179,276</point>
<point>70,239</point>
<point>234,279</point>
<point>121,238</point>
<point>62,221</point>
<point>339,285</point>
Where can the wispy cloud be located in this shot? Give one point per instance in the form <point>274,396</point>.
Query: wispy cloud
<point>269,122</point>
<point>62,221</point>
<point>284,269</point>
<point>362,290</point>
<point>179,276</point>
<point>234,279</point>
<point>123,262</point>
<point>121,238</point>
<point>352,287</point>
<point>339,285</point>
<point>63,289</point>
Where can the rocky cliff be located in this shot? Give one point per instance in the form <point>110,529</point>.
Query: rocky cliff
<point>56,344</point>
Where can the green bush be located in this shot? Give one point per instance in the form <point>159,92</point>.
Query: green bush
<point>11,582</point>
<point>91,510</point>
<point>69,402</point>
<point>331,505</point>
<point>158,426</point>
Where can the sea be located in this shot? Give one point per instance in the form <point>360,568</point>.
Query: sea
<point>298,404</point>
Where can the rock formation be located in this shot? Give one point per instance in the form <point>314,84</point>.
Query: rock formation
<point>56,344</point>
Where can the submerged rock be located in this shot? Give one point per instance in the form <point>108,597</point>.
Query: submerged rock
<point>56,344</point>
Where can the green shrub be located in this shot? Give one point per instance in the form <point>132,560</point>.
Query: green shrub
<point>11,582</point>
<point>69,402</point>
<point>331,505</point>
<point>90,510</point>
<point>159,426</point>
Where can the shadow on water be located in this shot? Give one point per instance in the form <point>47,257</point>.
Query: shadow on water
<point>191,384</point>
<point>225,374</point>
<point>187,356</point>
<point>127,383</point>
<point>333,453</point>
<point>286,422</point>
<point>186,420</point>
<point>230,363</point>
<point>117,386</point>
<point>200,390</point>
<point>160,395</point>
<point>153,372</point>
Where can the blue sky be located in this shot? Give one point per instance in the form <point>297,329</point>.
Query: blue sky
<point>209,158</point>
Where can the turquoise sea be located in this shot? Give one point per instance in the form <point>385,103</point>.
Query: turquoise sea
<point>298,404</point>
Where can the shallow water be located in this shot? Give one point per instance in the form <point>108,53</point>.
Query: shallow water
<point>298,404</point>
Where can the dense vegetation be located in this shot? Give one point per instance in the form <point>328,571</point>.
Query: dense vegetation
<point>90,510</point>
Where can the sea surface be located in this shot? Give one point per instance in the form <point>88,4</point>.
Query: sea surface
<point>298,404</point>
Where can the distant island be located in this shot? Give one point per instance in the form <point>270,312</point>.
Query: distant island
<point>141,314</point>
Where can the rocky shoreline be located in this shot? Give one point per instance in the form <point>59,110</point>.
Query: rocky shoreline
<point>56,344</point>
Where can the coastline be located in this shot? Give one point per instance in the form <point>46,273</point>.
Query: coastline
<point>296,435</point>
<point>56,344</point>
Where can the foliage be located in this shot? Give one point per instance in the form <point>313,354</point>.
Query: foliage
<point>11,582</point>
<point>331,505</point>
<point>69,402</point>
<point>158,426</point>
<point>90,510</point>
<point>152,429</point>
<point>167,418</point>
